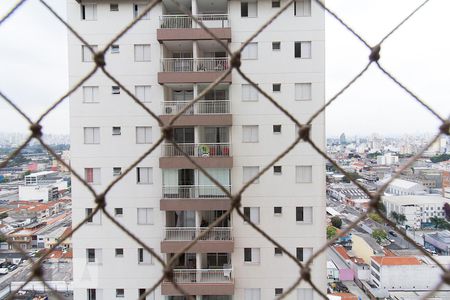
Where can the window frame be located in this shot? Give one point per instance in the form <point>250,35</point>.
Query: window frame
<point>144,58</point>
<point>254,133</point>
<point>247,169</point>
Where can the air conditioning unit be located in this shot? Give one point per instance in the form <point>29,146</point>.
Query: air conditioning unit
<point>170,109</point>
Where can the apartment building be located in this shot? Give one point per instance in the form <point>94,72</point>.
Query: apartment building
<point>166,60</point>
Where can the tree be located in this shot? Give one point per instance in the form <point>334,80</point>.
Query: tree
<point>379,234</point>
<point>446,209</point>
<point>376,217</point>
<point>381,207</point>
<point>401,219</point>
<point>394,216</point>
<point>331,232</point>
<point>437,222</point>
<point>336,222</point>
<point>440,158</point>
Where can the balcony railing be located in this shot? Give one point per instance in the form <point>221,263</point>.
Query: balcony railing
<point>190,233</point>
<point>202,107</point>
<point>196,150</point>
<point>194,191</point>
<point>194,64</point>
<point>202,275</point>
<point>184,21</point>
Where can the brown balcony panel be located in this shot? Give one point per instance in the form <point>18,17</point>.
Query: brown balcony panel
<point>199,247</point>
<point>200,120</point>
<point>181,162</point>
<point>227,288</point>
<point>195,204</point>
<point>191,77</point>
<point>188,34</point>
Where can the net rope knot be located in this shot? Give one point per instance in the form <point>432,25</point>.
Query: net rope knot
<point>101,200</point>
<point>375,53</point>
<point>99,59</point>
<point>36,130</point>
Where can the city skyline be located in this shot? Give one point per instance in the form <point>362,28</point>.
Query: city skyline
<point>45,65</point>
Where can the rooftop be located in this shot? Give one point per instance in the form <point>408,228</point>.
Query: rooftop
<point>396,260</point>
<point>405,184</point>
<point>416,199</point>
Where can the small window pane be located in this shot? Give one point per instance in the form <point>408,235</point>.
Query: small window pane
<point>276,46</point>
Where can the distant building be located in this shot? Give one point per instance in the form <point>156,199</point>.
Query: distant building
<point>417,209</point>
<point>348,193</point>
<point>446,184</point>
<point>42,186</point>
<point>365,246</point>
<point>438,241</point>
<point>343,139</point>
<point>403,187</point>
<point>387,159</point>
<point>395,273</point>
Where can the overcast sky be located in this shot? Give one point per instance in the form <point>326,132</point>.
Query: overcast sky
<point>33,66</point>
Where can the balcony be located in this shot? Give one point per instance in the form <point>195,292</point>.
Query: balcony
<point>200,282</point>
<point>206,155</point>
<point>202,107</point>
<point>197,150</point>
<point>193,70</point>
<point>182,27</point>
<point>217,239</point>
<point>194,197</point>
<point>201,113</point>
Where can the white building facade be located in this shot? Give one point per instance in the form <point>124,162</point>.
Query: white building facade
<point>233,132</point>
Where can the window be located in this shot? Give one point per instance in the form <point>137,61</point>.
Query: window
<point>252,294</point>
<point>117,171</point>
<point>118,212</point>
<point>276,46</point>
<point>277,251</point>
<point>89,12</point>
<point>144,175</point>
<point>120,293</point>
<point>114,7</point>
<point>93,255</point>
<point>250,133</point>
<point>92,175</point>
<point>302,8</point>
<point>115,89</point>
<point>142,92</point>
<point>90,94</point>
<point>303,91</point>
<point>91,135</point>
<point>119,252</point>
<point>277,210</point>
<point>88,212</point>
<point>142,53</point>
<point>249,173</point>
<point>276,128</point>
<point>275,4</point>
<point>143,135</point>
<point>303,174</point>
<point>95,219</point>
<point>138,9</point>
<point>251,255</point>
<point>91,294</point>
<point>278,291</point>
<point>249,9</point>
<point>150,296</point>
<point>305,294</point>
<point>249,93</point>
<point>303,254</point>
<point>86,54</point>
<point>277,170</point>
<point>145,216</point>
<point>302,49</point>
<point>115,49</point>
<point>276,87</point>
<point>250,51</point>
<point>303,214</point>
<point>116,130</point>
<point>144,257</point>
<point>252,213</point>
